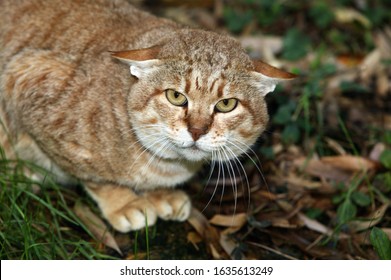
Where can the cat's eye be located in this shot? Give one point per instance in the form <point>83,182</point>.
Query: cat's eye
<point>176,98</point>
<point>226,105</point>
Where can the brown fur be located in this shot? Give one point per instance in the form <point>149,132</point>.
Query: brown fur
<point>69,104</point>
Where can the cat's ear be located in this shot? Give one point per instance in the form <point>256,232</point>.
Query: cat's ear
<point>268,76</point>
<point>142,61</point>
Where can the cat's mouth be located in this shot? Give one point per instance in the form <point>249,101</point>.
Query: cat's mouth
<point>194,152</point>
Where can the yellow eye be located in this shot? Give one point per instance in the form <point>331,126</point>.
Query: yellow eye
<point>176,98</point>
<point>226,105</point>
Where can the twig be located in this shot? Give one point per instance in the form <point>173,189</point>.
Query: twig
<point>272,250</point>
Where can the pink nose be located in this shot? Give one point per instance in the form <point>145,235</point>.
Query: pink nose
<point>197,132</point>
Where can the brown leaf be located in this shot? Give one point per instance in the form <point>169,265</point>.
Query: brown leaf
<point>194,238</point>
<point>282,223</point>
<point>318,227</point>
<point>349,15</point>
<point>209,234</point>
<point>373,219</point>
<point>350,163</point>
<point>301,182</point>
<point>228,244</point>
<point>376,152</point>
<point>318,168</point>
<point>96,226</point>
<point>237,220</point>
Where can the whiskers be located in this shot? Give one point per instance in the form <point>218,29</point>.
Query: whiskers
<point>151,141</point>
<point>231,171</point>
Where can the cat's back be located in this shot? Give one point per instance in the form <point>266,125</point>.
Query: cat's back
<point>71,26</point>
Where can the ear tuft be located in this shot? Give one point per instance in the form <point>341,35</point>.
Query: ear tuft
<point>142,61</point>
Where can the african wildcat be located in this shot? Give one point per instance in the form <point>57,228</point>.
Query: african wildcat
<point>71,106</point>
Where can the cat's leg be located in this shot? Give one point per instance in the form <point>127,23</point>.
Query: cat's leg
<point>126,211</point>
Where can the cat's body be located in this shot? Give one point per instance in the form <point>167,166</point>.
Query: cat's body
<point>71,106</point>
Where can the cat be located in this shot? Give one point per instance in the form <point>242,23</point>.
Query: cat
<point>69,103</point>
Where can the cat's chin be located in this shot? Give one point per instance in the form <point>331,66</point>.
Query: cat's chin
<point>194,154</point>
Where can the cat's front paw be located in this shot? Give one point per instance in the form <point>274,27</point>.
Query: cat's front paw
<point>170,204</point>
<point>135,215</point>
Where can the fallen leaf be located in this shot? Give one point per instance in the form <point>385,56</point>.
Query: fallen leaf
<point>318,227</point>
<point>373,219</point>
<point>96,226</point>
<point>321,169</point>
<point>335,146</point>
<point>209,234</point>
<point>237,220</point>
<point>228,244</point>
<point>301,182</point>
<point>194,238</point>
<point>376,152</point>
<point>350,163</point>
<point>282,223</point>
<point>348,15</point>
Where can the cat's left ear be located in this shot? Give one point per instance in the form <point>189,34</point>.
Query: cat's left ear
<point>267,76</point>
<point>142,61</point>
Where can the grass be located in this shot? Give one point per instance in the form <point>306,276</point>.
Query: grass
<point>36,220</point>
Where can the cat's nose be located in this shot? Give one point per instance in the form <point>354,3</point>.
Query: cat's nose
<point>197,132</point>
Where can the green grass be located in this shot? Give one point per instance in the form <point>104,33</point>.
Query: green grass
<point>36,221</point>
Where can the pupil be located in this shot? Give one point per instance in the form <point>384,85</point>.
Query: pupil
<point>176,95</point>
<point>225,101</point>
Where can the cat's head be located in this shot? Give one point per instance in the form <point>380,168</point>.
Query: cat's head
<point>198,96</point>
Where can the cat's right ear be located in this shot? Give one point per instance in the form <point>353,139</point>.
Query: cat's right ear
<point>142,61</point>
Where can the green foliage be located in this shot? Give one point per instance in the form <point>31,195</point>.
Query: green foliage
<point>296,45</point>
<point>313,213</point>
<point>346,211</point>
<point>349,200</point>
<point>385,159</point>
<point>291,133</point>
<point>237,20</point>
<point>353,87</point>
<point>284,113</point>
<point>381,243</point>
<point>361,199</point>
<point>267,152</point>
<point>321,14</point>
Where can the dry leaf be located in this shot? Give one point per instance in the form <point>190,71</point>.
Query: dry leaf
<point>209,234</point>
<point>318,227</point>
<point>376,152</point>
<point>282,223</point>
<point>285,205</point>
<point>321,169</point>
<point>300,182</point>
<point>387,231</point>
<point>96,226</point>
<point>350,163</point>
<point>373,219</point>
<point>348,15</point>
<point>263,46</point>
<point>194,238</point>
<point>335,146</point>
<point>237,220</point>
<point>227,244</point>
